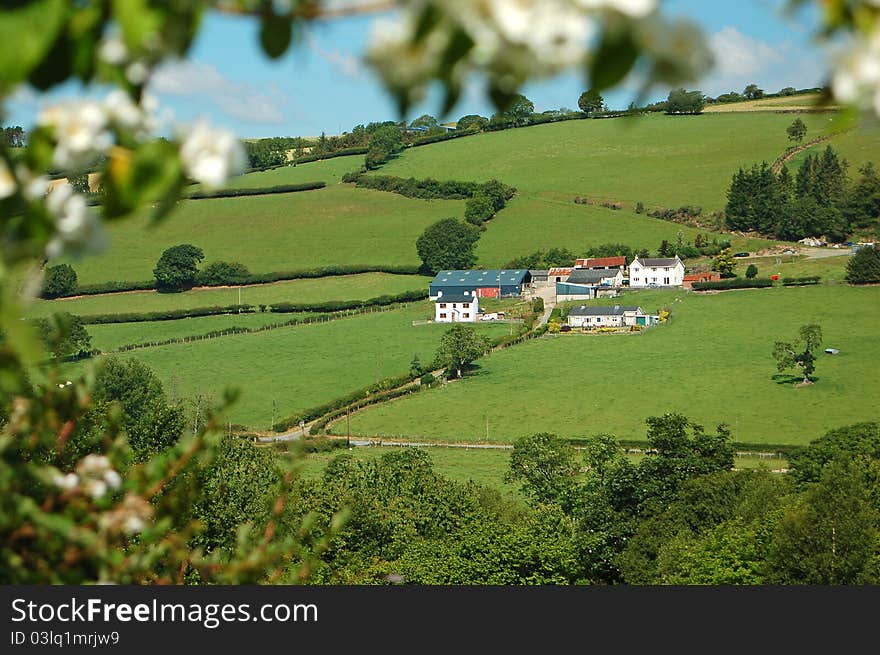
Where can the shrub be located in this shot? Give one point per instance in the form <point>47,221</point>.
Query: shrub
<point>258,191</point>
<point>479,209</point>
<point>167,315</point>
<point>427,380</point>
<point>751,271</point>
<point>221,273</point>
<point>733,283</point>
<point>59,281</point>
<point>176,269</point>
<point>864,266</point>
<point>538,305</point>
<point>640,207</point>
<point>800,281</point>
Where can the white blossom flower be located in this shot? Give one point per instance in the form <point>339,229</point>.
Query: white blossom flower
<point>137,72</point>
<point>66,482</point>
<point>80,130</point>
<point>77,228</point>
<point>8,185</point>
<point>856,79</point>
<point>94,465</point>
<point>133,525</point>
<point>32,185</point>
<point>113,479</point>
<point>122,109</point>
<point>95,488</point>
<point>211,156</point>
<point>113,51</point>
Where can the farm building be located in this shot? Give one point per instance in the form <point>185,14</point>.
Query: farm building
<point>585,284</point>
<point>616,316</point>
<point>482,283</point>
<point>456,308</point>
<point>539,277</point>
<point>659,272</point>
<point>558,274</point>
<point>601,263</point>
<point>710,276</point>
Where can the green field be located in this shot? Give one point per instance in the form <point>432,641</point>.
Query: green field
<point>831,269</point>
<point>655,159</point>
<point>857,146</point>
<point>113,335</point>
<point>344,287</point>
<point>298,367</point>
<point>280,232</point>
<point>711,362</point>
<point>327,170</point>
<point>531,223</point>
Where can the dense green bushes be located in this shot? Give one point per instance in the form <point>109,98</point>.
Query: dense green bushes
<point>258,191</point>
<point>800,281</point>
<point>342,305</point>
<point>864,266</point>
<point>252,278</point>
<point>167,315</point>
<point>733,283</point>
<point>59,281</point>
<point>222,273</point>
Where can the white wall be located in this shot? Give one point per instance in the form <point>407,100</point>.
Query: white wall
<point>456,312</point>
<point>660,276</point>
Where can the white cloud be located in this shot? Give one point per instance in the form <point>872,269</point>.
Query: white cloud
<point>236,99</point>
<point>345,62</point>
<point>742,60</point>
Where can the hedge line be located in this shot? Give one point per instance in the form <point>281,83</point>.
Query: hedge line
<point>342,305</point>
<point>167,315</point>
<point>257,191</point>
<point>733,283</point>
<point>800,281</point>
<point>427,189</point>
<point>253,278</point>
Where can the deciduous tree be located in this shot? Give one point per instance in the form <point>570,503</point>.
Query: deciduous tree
<point>448,244</point>
<point>177,268</point>
<point>458,349</point>
<point>799,353</point>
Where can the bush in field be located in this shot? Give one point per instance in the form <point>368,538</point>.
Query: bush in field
<point>219,273</point>
<point>59,281</point>
<point>864,266</point>
<point>448,244</point>
<point>177,269</point>
<point>751,271</point>
<point>479,209</point>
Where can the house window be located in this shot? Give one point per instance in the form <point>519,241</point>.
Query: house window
<point>598,319</point>
<point>465,305</point>
<point>443,315</point>
<point>453,305</point>
<point>465,315</point>
<point>666,280</point>
<point>442,305</point>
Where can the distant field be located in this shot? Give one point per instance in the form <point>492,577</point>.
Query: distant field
<point>336,225</point>
<point>805,102</point>
<point>113,335</point>
<point>327,170</point>
<point>856,146</point>
<point>712,362</point>
<point>831,269</point>
<point>656,159</point>
<point>343,287</point>
<point>298,367</point>
<point>531,223</point>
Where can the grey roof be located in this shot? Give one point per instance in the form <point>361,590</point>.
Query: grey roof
<point>616,310</point>
<point>454,297</point>
<point>591,275</point>
<point>660,261</point>
<point>539,272</point>
<point>480,278</point>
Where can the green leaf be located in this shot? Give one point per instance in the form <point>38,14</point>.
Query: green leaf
<point>614,58</point>
<point>138,20</point>
<point>152,173</point>
<point>275,35</point>
<point>26,35</point>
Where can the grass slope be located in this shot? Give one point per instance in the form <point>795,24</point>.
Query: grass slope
<point>712,362</point>
<point>530,223</point>
<point>343,287</point>
<point>327,170</point>
<point>298,367</point>
<point>336,225</point>
<point>656,159</point>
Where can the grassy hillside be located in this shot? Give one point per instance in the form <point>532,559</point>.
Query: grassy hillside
<point>535,222</point>
<point>857,146</point>
<point>712,362</point>
<point>656,159</point>
<point>343,287</point>
<point>337,225</point>
<point>299,367</point>
<point>327,170</point>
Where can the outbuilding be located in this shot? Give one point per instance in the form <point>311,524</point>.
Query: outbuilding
<point>481,283</point>
<point>609,316</point>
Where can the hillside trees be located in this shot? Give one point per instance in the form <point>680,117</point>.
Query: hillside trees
<point>472,122</point>
<point>681,101</point>
<point>864,266</point>
<point>384,142</point>
<point>14,136</point>
<point>59,281</point>
<point>545,465</point>
<point>796,131</point>
<point>64,335</point>
<point>177,268</point>
<point>458,348</point>
<point>799,353</point>
<point>591,101</point>
<point>448,244</point>
<point>724,263</point>
<point>752,92</point>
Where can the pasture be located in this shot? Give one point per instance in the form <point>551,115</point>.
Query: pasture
<point>280,232</point>
<point>298,367</point>
<point>656,159</point>
<point>712,362</point>
<point>311,290</point>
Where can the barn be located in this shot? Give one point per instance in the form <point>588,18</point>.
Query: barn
<point>480,283</point>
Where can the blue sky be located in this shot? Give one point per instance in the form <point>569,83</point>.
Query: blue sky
<point>321,85</point>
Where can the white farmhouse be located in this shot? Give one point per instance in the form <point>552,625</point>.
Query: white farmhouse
<point>616,316</point>
<point>456,308</point>
<point>660,272</point>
